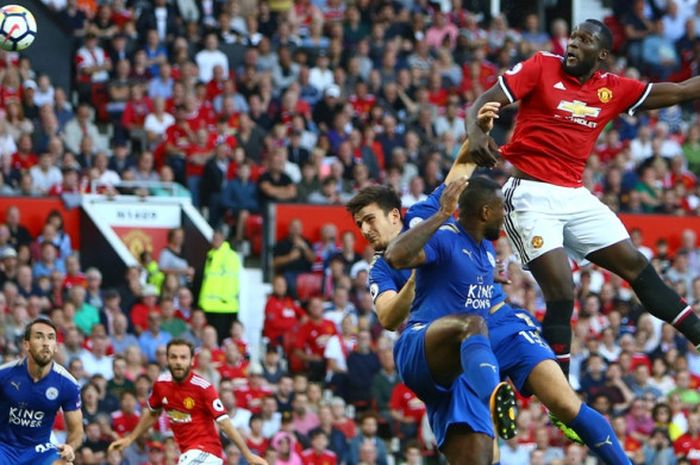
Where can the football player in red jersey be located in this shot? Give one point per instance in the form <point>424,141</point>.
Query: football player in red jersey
<point>565,102</point>
<point>191,403</point>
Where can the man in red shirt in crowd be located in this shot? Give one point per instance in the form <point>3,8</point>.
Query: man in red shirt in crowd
<point>565,104</point>
<point>688,445</point>
<point>407,409</point>
<point>191,404</point>
<point>312,339</point>
<point>318,453</point>
<point>282,314</point>
<point>251,395</point>
<point>125,419</point>
<point>235,366</point>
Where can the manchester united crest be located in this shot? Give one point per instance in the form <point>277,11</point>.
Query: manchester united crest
<point>537,242</point>
<point>188,402</point>
<point>605,94</point>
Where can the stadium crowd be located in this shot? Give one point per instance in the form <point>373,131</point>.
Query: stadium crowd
<point>243,103</point>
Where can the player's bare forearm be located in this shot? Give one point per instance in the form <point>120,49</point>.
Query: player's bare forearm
<point>475,126</point>
<point>227,427</point>
<point>393,307</point>
<point>665,94</point>
<point>148,417</point>
<point>74,424</point>
<point>406,250</point>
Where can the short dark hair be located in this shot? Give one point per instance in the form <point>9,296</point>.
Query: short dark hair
<point>180,342</point>
<point>384,196</point>
<point>606,37</point>
<point>478,193</point>
<point>42,320</point>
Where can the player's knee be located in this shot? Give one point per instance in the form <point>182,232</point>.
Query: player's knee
<point>632,265</point>
<point>472,325</point>
<point>559,314</point>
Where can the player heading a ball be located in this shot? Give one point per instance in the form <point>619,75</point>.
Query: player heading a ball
<point>17,28</point>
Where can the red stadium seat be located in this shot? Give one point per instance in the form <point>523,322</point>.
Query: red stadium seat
<point>254,233</point>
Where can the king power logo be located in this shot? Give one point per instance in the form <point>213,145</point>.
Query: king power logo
<point>579,112</point>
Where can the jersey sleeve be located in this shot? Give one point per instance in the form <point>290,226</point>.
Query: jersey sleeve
<point>213,404</point>
<point>522,78</point>
<point>155,399</point>
<point>633,94</point>
<point>380,279</point>
<point>71,398</point>
<point>438,243</point>
<point>423,210</point>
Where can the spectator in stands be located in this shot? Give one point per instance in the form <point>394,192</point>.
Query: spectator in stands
<point>312,339</point>
<point>45,174</point>
<point>383,384</point>
<point>240,199</point>
<point>153,338</point>
<point>171,259</point>
<point>293,255</point>
<point>367,434</point>
<point>363,364</point>
<point>282,314</point>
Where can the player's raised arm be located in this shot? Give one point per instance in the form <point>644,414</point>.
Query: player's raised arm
<point>148,417</point>
<point>74,425</point>
<point>463,164</point>
<point>483,150</point>
<point>665,94</point>
<point>227,427</point>
<point>407,250</point>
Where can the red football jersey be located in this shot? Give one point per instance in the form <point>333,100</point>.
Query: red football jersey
<point>192,407</point>
<point>559,118</point>
<point>123,423</point>
<point>688,446</point>
<point>406,401</point>
<point>313,336</point>
<point>310,457</point>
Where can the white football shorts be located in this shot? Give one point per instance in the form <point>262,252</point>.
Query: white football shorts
<point>199,457</point>
<point>540,217</point>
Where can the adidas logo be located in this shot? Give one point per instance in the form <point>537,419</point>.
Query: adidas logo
<point>559,86</point>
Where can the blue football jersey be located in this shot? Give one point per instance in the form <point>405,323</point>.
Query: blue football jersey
<point>28,408</point>
<point>457,276</point>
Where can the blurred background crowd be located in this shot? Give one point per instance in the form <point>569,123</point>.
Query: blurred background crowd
<point>243,103</point>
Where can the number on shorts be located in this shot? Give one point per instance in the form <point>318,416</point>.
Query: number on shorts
<point>533,337</point>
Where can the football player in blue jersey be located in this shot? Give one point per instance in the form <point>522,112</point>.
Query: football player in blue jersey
<point>32,390</point>
<point>455,268</point>
<point>448,361</point>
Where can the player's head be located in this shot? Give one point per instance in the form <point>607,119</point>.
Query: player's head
<point>482,202</point>
<point>589,45</point>
<point>40,341</point>
<point>180,353</point>
<point>377,212</point>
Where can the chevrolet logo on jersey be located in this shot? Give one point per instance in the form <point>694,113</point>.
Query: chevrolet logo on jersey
<point>579,109</point>
<point>579,112</point>
<point>177,416</point>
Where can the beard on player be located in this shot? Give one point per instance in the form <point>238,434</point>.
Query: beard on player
<point>492,232</point>
<point>42,356</point>
<point>179,371</point>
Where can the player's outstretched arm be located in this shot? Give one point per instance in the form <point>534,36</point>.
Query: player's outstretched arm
<point>406,250</point>
<point>393,307</point>
<point>483,150</point>
<point>148,417</point>
<point>463,164</point>
<point>665,94</point>
<point>74,425</point>
<point>227,427</point>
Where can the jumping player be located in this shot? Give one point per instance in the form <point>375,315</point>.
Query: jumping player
<point>565,102</point>
<point>32,390</point>
<point>192,404</point>
<point>455,261</point>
